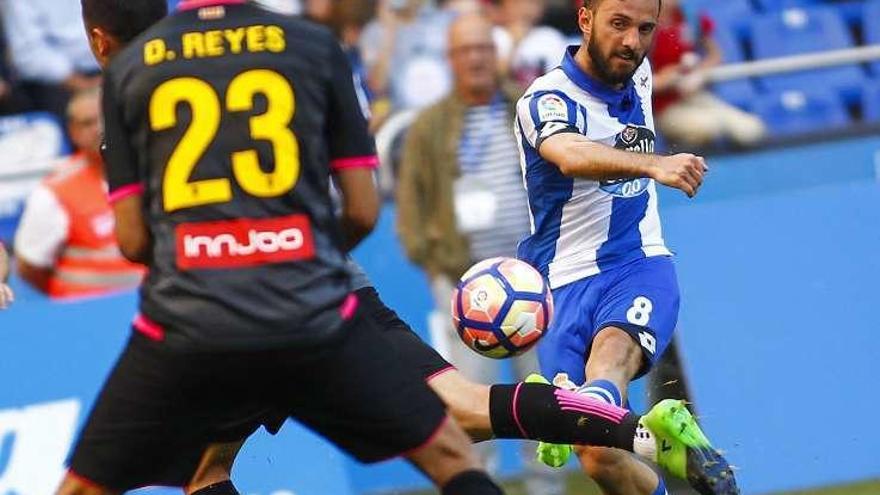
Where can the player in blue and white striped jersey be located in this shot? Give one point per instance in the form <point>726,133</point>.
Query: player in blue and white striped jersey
<point>586,136</point>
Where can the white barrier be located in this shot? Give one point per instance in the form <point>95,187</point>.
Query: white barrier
<point>794,63</point>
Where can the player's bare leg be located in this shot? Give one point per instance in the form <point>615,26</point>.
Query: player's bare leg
<point>215,467</point>
<point>617,358</point>
<point>445,459</point>
<point>449,454</point>
<point>471,404</point>
<point>467,402</point>
<point>73,485</point>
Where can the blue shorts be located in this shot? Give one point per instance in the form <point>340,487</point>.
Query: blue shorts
<point>640,297</point>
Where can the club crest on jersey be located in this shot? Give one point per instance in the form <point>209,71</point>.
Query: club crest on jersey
<point>552,107</point>
<point>636,139</point>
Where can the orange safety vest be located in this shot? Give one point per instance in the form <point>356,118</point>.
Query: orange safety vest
<point>90,263</point>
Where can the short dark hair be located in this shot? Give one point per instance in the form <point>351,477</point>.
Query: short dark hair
<point>592,4</point>
<point>124,19</point>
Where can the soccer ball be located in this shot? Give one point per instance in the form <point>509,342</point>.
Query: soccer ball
<point>501,307</point>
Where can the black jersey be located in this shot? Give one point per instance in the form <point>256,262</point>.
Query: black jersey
<point>229,120</point>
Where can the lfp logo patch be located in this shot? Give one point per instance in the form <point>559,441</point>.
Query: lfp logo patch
<point>551,107</point>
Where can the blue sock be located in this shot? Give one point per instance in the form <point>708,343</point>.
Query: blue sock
<point>661,487</point>
<point>602,390</point>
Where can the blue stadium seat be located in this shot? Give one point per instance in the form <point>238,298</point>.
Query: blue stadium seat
<point>731,49</point>
<point>777,5</point>
<point>871,102</point>
<point>851,10</point>
<point>740,92</point>
<point>798,31</point>
<point>727,14</point>
<point>871,28</point>
<point>793,112</point>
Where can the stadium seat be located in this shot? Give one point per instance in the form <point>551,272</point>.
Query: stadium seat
<point>730,46</point>
<point>871,28</point>
<point>798,31</point>
<point>851,10</point>
<point>792,112</point>
<point>871,102</point>
<point>728,14</point>
<point>739,92</point>
<point>778,5</point>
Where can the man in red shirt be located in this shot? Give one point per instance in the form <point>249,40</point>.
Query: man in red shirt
<point>687,112</point>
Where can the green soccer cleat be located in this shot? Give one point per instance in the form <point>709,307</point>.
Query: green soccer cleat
<point>550,454</point>
<point>684,451</point>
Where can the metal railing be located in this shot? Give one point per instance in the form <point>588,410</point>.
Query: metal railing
<point>794,63</point>
<point>398,123</point>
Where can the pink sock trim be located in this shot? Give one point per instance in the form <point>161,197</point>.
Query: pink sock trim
<point>515,415</point>
<point>440,372</point>
<point>570,401</point>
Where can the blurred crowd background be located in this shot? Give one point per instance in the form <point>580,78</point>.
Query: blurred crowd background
<point>403,63</point>
<point>438,84</point>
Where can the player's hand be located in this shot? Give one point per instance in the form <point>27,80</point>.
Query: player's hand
<point>684,172</point>
<point>6,296</point>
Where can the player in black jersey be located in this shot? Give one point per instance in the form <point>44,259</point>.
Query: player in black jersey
<point>223,123</point>
<point>530,410</point>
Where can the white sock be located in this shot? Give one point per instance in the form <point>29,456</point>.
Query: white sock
<point>644,443</point>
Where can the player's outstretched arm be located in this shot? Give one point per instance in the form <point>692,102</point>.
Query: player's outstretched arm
<point>6,295</point>
<point>577,156</point>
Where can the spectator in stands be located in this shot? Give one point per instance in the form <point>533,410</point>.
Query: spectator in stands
<point>49,50</point>
<point>460,192</point>
<point>687,112</point>
<point>404,53</point>
<point>526,50</point>
<point>348,18</point>
<point>66,244</point>
<point>320,10</point>
<point>6,295</point>
<point>12,100</point>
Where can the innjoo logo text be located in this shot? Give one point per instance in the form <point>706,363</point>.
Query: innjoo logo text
<point>244,242</point>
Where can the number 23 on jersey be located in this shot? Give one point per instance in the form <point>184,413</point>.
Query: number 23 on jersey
<point>179,191</point>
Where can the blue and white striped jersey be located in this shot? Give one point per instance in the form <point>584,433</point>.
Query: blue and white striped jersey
<point>582,227</point>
